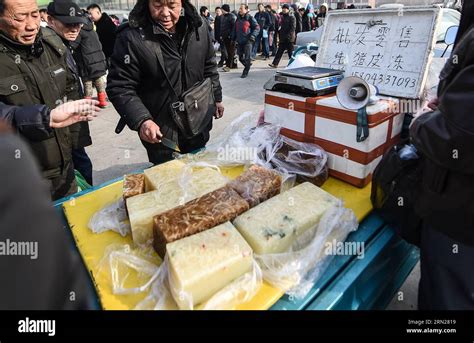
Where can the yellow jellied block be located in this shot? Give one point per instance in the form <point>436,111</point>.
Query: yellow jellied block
<point>204,263</point>
<point>174,190</point>
<point>273,226</point>
<point>162,175</point>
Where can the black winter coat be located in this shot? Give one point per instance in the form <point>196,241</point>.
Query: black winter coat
<point>445,138</point>
<point>299,22</point>
<point>90,58</point>
<point>107,30</point>
<point>306,23</point>
<point>136,84</point>
<point>287,28</point>
<point>27,216</point>
<point>42,77</point>
<point>227,25</point>
<point>217,28</point>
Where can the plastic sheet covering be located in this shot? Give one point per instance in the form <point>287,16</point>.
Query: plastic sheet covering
<point>120,262</point>
<point>297,270</point>
<point>112,217</point>
<point>158,286</point>
<point>164,292</point>
<point>240,143</point>
<point>307,161</point>
<point>192,186</point>
<point>247,141</point>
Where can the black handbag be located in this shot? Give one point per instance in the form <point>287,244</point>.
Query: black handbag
<point>193,110</point>
<point>396,184</point>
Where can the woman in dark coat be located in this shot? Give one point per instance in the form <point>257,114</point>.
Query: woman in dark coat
<point>91,62</point>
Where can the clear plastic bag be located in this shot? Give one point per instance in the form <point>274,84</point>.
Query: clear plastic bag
<point>193,183</point>
<point>164,292</point>
<point>247,140</point>
<point>241,143</point>
<point>111,217</point>
<point>121,262</point>
<point>129,270</point>
<point>306,161</point>
<point>297,270</point>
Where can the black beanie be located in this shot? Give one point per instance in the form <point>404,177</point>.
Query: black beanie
<point>226,7</point>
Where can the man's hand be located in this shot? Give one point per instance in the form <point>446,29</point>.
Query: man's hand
<point>73,112</point>
<point>150,132</point>
<point>219,110</point>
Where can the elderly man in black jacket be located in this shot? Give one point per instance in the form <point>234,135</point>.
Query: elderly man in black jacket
<point>34,70</point>
<point>139,86</point>
<point>445,138</point>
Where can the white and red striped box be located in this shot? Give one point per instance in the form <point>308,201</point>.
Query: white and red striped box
<point>323,121</point>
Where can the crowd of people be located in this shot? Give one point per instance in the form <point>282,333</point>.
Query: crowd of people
<point>269,32</point>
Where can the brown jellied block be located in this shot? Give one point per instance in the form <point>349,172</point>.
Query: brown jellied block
<point>133,185</point>
<point>257,184</point>
<point>206,212</point>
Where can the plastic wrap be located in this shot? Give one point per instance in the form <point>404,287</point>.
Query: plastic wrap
<point>112,217</point>
<point>297,270</point>
<point>163,292</point>
<point>241,143</point>
<point>130,271</point>
<point>307,161</point>
<point>248,141</point>
<point>140,271</point>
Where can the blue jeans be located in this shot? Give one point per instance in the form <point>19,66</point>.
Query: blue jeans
<point>265,49</point>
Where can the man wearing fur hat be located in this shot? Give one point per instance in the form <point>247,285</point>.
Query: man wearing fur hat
<point>162,52</point>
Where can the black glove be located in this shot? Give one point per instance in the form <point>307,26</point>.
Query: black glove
<point>252,39</point>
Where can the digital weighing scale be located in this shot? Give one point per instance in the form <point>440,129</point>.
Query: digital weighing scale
<point>306,81</point>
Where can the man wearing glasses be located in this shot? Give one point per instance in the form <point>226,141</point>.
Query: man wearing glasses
<point>34,70</point>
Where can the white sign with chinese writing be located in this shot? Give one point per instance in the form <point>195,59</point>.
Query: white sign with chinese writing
<point>390,49</point>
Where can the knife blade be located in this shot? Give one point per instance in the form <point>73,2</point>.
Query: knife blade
<point>169,144</point>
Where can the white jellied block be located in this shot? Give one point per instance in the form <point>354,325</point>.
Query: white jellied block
<point>273,226</point>
<point>204,263</point>
<point>174,189</point>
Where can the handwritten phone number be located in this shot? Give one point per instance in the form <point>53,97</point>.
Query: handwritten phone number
<point>385,79</point>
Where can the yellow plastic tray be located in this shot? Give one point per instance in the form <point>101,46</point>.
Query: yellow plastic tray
<point>79,210</point>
